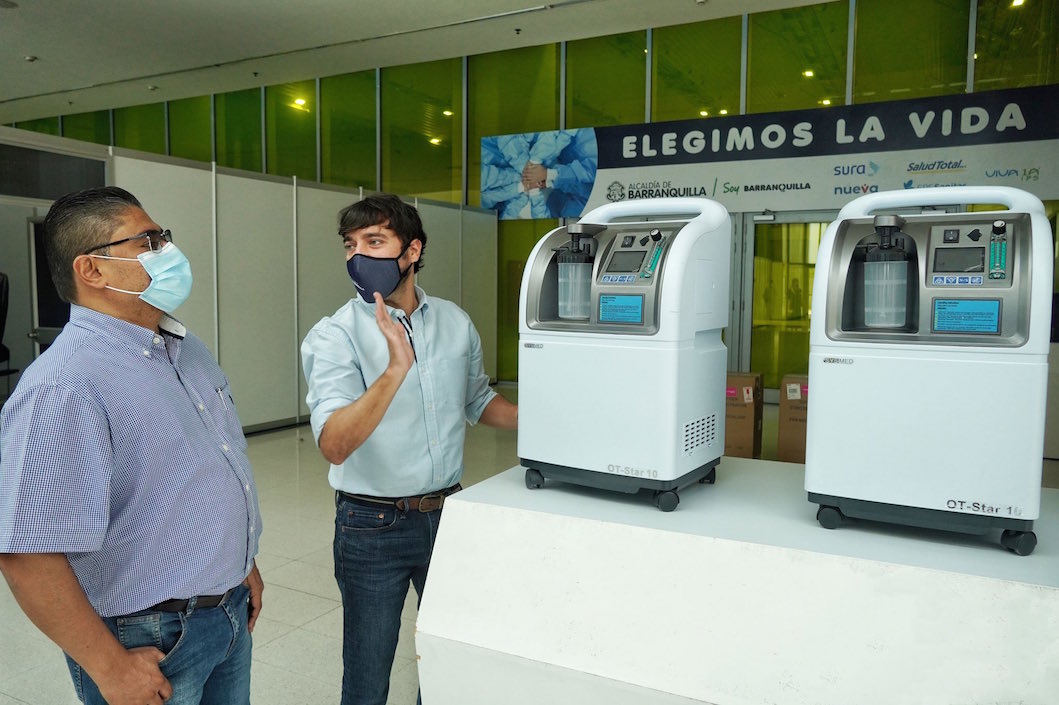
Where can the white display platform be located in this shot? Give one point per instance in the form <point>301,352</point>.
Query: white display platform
<point>569,594</point>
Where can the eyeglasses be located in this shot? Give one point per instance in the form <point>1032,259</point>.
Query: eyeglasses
<point>155,240</point>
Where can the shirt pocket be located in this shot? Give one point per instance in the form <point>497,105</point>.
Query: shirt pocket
<point>221,406</point>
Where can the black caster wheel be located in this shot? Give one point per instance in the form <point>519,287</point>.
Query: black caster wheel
<point>709,478</point>
<point>534,479</point>
<point>1020,543</point>
<point>829,517</point>
<point>667,501</point>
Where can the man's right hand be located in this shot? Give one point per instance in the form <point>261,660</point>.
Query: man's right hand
<point>401,354</point>
<point>135,679</point>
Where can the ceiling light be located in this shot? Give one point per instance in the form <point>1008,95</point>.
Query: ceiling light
<point>704,113</point>
<point>724,112</point>
<point>30,59</point>
<point>826,101</point>
<point>808,73</point>
<point>1016,3</point>
<point>299,101</point>
<point>435,140</point>
<point>446,113</point>
<point>152,88</point>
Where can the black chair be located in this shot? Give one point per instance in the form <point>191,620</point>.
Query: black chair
<point>5,354</point>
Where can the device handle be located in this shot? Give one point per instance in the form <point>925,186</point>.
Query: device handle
<point>1015,199</point>
<point>700,207</point>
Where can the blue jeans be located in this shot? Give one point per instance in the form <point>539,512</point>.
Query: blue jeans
<point>378,550</point>
<point>207,652</point>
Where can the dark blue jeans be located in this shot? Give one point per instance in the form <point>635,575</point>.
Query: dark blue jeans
<point>207,652</point>
<point>378,551</point>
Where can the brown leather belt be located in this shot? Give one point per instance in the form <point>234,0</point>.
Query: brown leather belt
<point>201,602</point>
<point>430,502</point>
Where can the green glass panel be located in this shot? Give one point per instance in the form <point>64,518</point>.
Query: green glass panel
<point>785,44</point>
<point>290,129</point>
<point>509,92</point>
<point>238,126</point>
<point>140,127</point>
<point>784,266</point>
<point>47,126</point>
<point>1016,45</point>
<point>895,59</point>
<point>347,129</point>
<point>606,80</point>
<point>190,130</point>
<point>422,150</point>
<point>88,127</point>
<point>516,241</point>
<point>695,69</point>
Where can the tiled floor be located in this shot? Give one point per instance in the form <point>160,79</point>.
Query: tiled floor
<point>298,639</point>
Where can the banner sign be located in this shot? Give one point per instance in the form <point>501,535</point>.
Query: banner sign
<point>805,159</point>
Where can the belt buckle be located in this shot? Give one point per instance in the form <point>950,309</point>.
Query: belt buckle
<point>426,500</point>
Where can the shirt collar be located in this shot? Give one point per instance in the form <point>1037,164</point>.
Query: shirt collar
<point>421,297</point>
<point>133,336</point>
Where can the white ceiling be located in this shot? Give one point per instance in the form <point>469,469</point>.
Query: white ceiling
<point>95,54</point>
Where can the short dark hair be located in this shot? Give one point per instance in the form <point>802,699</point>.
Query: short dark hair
<point>388,209</point>
<point>76,223</point>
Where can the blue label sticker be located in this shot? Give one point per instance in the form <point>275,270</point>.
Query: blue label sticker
<point>621,308</point>
<point>967,316</point>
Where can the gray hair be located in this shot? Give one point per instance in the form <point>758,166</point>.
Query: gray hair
<point>76,223</point>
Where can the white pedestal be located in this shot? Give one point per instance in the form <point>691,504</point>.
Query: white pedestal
<point>568,594</point>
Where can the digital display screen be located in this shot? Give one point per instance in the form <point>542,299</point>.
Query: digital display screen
<point>621,308</point>
<point>626,261</point>
<point>967,316</point>
<point>959,259</point>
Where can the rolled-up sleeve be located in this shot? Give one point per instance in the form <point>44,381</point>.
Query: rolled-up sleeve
<point>332,373</point>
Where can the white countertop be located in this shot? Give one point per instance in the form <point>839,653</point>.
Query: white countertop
<point>764,502</point>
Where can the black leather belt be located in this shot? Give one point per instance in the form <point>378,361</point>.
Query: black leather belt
<point>201,602</point>
<point>430,502</point>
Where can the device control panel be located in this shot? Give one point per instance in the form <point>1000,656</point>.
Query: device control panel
<point>976,254</point>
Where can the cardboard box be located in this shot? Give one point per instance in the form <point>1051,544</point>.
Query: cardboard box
<point>794,404</point>
<point>742,416</point>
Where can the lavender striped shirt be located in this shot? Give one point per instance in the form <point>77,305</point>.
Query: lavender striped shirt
<point>121,448</point>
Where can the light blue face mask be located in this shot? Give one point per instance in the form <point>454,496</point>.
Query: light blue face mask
<point>170,274</point>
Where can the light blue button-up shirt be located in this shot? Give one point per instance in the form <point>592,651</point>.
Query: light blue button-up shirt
<point>418,445</point>
<point>121,448</point>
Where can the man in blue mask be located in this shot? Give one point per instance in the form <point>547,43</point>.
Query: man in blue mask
<point>129,518</point>
<point>394,376</point>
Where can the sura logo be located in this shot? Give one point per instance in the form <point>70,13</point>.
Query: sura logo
<point>869,169</point>
<point>838,360</point>
<point>615,192</point>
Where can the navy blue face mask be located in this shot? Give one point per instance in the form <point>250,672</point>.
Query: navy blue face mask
<point>371,274</point>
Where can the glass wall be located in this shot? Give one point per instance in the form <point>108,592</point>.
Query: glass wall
<point>290,129</point>
<point>140,127</point>
<point>88,127</point>
<point>606,80</point>
<point>695,69</point>
<point>191,128</point>
<point>894,59</point>
<point>347,129</point>
<point>1016,45</point>
<point>47,126</point>
<point>510,92</point>
<point>796,59</point>
<point>238,129</point>
<point>422,138</point>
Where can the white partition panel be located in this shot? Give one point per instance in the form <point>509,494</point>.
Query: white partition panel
<point>478,278</point>
<point>323,284</point>
<point>178,195</point>
<point>440,275</point>
<point>16,216</point>
<point>255,280</point>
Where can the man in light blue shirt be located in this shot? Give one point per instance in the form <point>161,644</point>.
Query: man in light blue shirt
<point>393,376</point>
<point>129,518</point>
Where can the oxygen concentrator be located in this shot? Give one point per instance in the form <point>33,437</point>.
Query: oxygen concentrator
<point>621,363</point>
<point>928,359</point>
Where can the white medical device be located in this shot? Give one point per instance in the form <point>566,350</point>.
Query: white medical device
<point>621,363</point>
<point>928,363</point>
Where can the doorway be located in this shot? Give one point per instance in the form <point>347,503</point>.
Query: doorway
<point>779,266</point>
